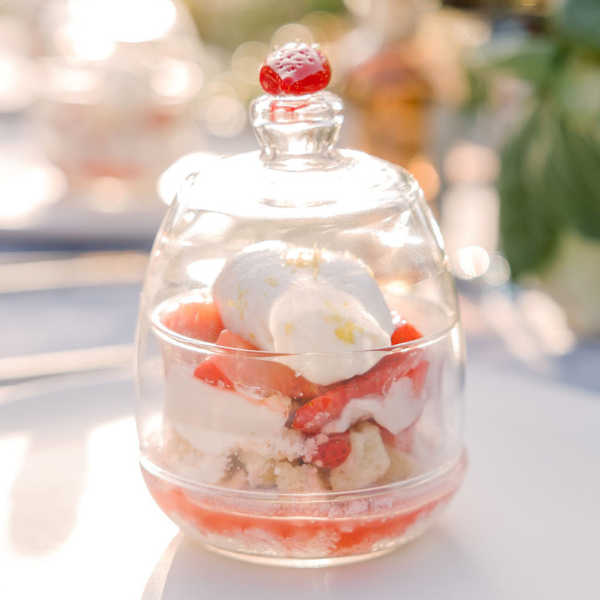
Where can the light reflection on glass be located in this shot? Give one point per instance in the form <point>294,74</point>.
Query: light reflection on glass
<point>170,181</point>
<point>205,272</point>
<point>399,234</point>
<point>211,225</point>
<point>457,344</point>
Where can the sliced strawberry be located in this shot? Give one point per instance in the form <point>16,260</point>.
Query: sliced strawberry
<point>314,415</point>
<point>267,375</point>
<point>333,452</point>
<point>210,373</point>
<point>195,320</point>
<point>311,417</point>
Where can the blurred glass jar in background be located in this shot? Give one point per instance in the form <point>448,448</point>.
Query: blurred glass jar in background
<point>116,83</point>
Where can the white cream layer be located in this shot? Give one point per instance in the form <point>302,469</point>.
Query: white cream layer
<point>217,420</point>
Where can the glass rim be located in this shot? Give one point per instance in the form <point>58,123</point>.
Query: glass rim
<point>456,465</point>
<point>186,343</point>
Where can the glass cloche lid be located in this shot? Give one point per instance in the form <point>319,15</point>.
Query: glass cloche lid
<point>302,190</point>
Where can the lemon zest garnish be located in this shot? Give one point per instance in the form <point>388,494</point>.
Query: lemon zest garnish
<point>241,302</point>
<point>347,330</point>
<point>305,260</point>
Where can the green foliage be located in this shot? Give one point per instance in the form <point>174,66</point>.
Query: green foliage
<point>550,177</point>
<point>549,183</point>
<point>529,59</point>
<point>529,229</point>
<point>573,177</point>
<point>579,22</point>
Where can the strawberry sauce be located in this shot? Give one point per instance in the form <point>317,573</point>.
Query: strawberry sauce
<point>307,530</point>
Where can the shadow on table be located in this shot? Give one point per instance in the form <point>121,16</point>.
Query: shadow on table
<point>431,567</point>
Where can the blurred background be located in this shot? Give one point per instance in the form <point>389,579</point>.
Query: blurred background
<point>106,105</point>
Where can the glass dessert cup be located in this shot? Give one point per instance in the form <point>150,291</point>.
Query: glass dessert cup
<point>299,350</point>
<point>234,466</point>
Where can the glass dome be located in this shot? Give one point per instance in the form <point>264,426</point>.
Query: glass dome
<point>299,351</point>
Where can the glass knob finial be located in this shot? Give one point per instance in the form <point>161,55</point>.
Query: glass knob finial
<point>297,123</point>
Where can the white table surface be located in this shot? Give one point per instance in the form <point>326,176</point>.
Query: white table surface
<point>76,521</point>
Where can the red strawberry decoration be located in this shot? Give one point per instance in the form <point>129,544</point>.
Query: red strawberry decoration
<point>296,68</point>
<point>333,452</point>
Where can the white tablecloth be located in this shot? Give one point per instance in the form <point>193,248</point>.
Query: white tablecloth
<point>76,520</point>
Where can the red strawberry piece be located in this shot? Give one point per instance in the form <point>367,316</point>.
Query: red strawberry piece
<point>311,417</point>
<point>211,374</point>
<point>261,373</point>
<point>296,68</point>
<point>405,332</point>
<point>333,452</point>
<point>195,320</point>
<point>314,415</point>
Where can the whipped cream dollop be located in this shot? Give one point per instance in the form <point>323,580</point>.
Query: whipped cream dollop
<point>294,300</point>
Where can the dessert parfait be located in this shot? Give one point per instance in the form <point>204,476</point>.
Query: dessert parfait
<point>299,352</point>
